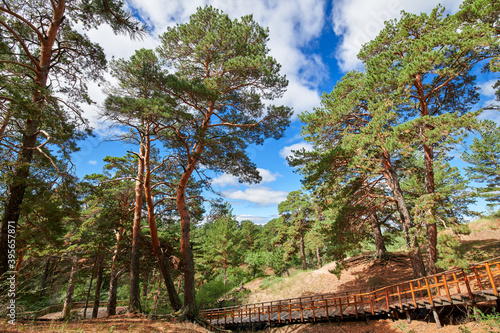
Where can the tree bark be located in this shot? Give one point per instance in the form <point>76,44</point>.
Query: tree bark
<point>98,284</point>
<point>17,187</point>
<point>411,240</point>
<point>380,249</point>
<point>45,277</point>
<point>175,301</point>
<point>135,299</point>
<point>113,280</point>
<point>428,181</point>
<point>94,272</point>
<point>431,223</point>
<point>69,293</point>
<point>145,285</point>
<point>318,257</point>
<point>303,250</point>
<point>157,295</point>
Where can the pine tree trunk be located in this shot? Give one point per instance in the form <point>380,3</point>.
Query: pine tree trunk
<point>411,240</point>
<point>157,295</point>
<point>16,189</point>
<point>45,277</point>
<point>189,309</point>
<point>94,272</point>
<point>98,284</point>
<point>163,265</point>
<point>145,285</point>
<point>318,258</point>
<point>428,181</point>
<point>21,173</point>
<point>380,249</point>
<point>431,223</point>
<point>69,293</point>
<point>303,250</point>
<point>135,299</point>
<point>113,279</point>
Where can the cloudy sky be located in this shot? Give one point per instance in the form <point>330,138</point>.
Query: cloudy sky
<point>316,41</point>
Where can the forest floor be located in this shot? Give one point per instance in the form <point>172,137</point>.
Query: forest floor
<point>361,272</point>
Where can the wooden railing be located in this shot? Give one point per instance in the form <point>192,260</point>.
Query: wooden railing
<point>450,287</point>
<point>59,308</point>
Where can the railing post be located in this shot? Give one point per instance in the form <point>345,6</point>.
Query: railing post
<point>429,292</point>
<point>467,285</point>
<point>279,312</point>
<point>447,289</point>
<point>437,285</point>
<point>387,299</point>
<point>457,284</point>
<point>478,279</point>
<point>290,311</point>
<point>356,306</point>
<point>492,281</point>
<point>326,305</point>
<point>340,305</point>
<point>371,304</point>
<point>413,294</point>
<point>301,314</point>
<point>399,296</point>
<point>268,315</point>
<point>314,312</point>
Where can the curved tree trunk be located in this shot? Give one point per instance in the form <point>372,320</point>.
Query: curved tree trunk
<point>380,249</point>
<point>428,181</point>
<point>69,293</point>
<point>113,275</point>
<point>318,258</point>
<point>98,284</point>
<point>94,272</point>
<point>431,222</point>
<point>411,240</point>
<point>175,301</point>
<point>135,299</point>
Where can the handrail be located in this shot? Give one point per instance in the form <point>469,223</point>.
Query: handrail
<point>425,291</point>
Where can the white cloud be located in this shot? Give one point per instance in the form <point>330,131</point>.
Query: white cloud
<point>359,21</point>
<point>267,175</point>
<point>92,162</point>
<point>230,180</point>
<point>225,180</point>
<point>255,219</point>
<point>263,196</point>
<point>288,150</point>
<point>490,114</point>
<point>487,88</point>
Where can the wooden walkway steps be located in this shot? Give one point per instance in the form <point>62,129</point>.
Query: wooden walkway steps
<point>479,283</point>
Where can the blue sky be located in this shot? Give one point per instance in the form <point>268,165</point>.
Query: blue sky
<point>316,42</point>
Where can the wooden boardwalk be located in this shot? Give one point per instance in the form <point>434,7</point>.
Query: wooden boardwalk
<point>479,283</point>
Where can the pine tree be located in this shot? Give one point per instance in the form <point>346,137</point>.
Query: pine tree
<point>222,70</point>
<point>423,65</point>
<point>49,56</point>
<point>484,156</point>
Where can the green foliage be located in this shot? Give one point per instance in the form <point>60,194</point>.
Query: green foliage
<point>277,260</point>
<point>484,157</point>
<point>256,262</point>
<point>491,319</point>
